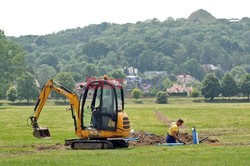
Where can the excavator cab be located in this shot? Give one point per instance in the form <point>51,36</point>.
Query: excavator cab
<point>104,105</point>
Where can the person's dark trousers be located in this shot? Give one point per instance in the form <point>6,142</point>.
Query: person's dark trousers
<point>170,139</point>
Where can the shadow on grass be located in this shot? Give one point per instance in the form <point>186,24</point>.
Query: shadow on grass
<point>22,104</point>
<point>61,103</point>
<point>198,100</point>
<point>138,102</point>
<point>222,101</point>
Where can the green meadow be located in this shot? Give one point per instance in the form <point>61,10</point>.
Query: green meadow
<point>228,122</point>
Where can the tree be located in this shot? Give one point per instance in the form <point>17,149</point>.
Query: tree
<point>12,63</point>
<point>237,72</point>
<point>76,76</point>
<point>96,48</point>
<point>66,80</point>
<point>117,74</point>
<point>167,83</point>
<point>49,59</point>
<point>245,85</point>
<point>195,93</point>
<point>11,94</point>
<point>26,87</point>
<point>136,93</point>
<point>219,74</point>
<point>90,70</point>
<point>45,72</point>
<point>147,60</point>
<point>193,68</point>
<point>195,84</point>
<point>228,86</point>
<point>161,97</point>
<point>210,86</point>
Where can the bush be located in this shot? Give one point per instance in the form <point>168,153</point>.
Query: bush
<point>161,97</point>
<point>182,94</point>
<point>195,93</point>
<point>11,94</point>
<point>136,93</point>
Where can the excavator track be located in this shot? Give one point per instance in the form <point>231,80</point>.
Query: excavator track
<point>79,144</point>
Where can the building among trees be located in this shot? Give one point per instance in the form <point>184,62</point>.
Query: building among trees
<point>179,90</point>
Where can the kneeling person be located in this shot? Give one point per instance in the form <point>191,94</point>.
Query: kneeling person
<point>173,132</point>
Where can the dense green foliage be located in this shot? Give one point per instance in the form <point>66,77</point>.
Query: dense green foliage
<point>178,46</point>
<point>195,93</point>
<point>66,80</point>
<point>44,73</point>
<point>117,74</point>
<point>26,87</point>
<point>238,72</point>
<point>211,87</point>
<point>161,97</point>
<point>136,93</point>
<point>12,63</point>
<point>245,86</point>
<point>228,86</point>
<point>11,94</point>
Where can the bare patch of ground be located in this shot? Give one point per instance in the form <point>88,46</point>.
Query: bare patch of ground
<point>57,146</point>
<point>146,138</point>
<point>162,118</point>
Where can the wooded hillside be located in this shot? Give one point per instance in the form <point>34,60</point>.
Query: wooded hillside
<point>178,46</point>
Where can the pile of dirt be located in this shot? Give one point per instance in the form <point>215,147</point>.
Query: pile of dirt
<point>185,137</point>
<point>57,146</point>
<point>146,138</point>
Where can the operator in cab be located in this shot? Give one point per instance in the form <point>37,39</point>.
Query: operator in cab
<point>173,131</point>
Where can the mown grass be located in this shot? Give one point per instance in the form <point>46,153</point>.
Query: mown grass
<point>227,122</point>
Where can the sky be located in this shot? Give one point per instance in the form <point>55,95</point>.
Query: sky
<point>39,17</point>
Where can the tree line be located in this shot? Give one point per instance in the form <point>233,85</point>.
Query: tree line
<point>227,87</point>
<point>178,46</point>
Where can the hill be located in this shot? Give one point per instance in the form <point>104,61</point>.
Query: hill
<point>178,46</point>
<point>202,16</point>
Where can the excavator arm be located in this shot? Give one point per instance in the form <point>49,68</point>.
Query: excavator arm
<point>50,86</point>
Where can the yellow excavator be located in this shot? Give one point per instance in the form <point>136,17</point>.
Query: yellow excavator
<point>109,124</point>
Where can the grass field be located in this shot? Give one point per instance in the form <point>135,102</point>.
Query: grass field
<point>227,122</point>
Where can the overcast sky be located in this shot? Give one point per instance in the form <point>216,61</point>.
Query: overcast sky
<point>23,17</point>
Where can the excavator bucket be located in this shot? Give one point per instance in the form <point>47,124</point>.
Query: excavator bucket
<point>41,133</point>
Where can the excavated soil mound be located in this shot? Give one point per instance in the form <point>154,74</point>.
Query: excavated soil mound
<point>146,138</point>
